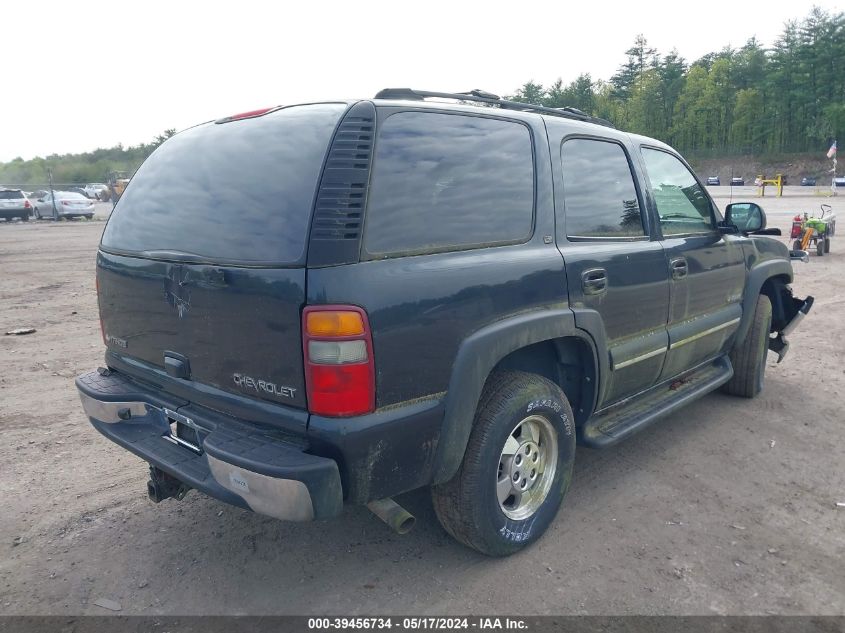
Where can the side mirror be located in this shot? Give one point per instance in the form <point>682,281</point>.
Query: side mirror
<point>748,217</point>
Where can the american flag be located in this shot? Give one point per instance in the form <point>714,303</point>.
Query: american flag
<point>832,151</point>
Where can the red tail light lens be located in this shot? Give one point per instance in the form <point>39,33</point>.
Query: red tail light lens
<point>26,204</point>
<point>339,365</point>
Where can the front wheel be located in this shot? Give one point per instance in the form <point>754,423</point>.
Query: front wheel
<point>796,245</point>
<point>748,356</point>
<point>516,469</point>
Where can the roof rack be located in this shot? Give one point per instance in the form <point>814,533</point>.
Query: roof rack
<point>481,96</point>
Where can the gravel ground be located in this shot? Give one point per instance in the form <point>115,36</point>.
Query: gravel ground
<point>728,507</point>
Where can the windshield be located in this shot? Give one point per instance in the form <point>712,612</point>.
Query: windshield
<point>239,192</point>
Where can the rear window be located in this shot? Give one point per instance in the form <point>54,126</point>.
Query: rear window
<point>70,195</point>
<point>449,182</point>
<point>238,192</point>
<point>10,195</point>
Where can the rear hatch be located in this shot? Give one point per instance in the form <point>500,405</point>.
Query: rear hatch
<point>201,269</point>
<point>12,199</point>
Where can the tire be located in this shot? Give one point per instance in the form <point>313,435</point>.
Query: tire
<point>89,217</point>
<point>820,248</point>
<point>796,245</point>
<point>748,356</point>
<point>528,413</point>
<point>826,245</point>
<point>25,217</point>
<point>35,214</point>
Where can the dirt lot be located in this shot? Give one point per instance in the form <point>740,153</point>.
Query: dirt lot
<point>728,507</point>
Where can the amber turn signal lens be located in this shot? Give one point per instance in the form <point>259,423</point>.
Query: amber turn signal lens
<point>334,323</point>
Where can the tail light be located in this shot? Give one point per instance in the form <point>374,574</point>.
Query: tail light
<point>339,365</point>
<point>26,204</point>
<point>66,203</point>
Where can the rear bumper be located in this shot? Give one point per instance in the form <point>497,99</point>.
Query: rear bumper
<point>10,212</point>
<point>244,465</point>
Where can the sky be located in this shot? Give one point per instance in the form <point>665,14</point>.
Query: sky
<point>86,74</point>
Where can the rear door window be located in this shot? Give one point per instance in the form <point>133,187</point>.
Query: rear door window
<point>599,193</point>
<point>449,182</point>
<point>239,192</point>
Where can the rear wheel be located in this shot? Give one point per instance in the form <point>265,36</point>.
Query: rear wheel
<point>820,248</point>
<point>827,245</point>
<point>516,469</point>
<point>748,356</point>
<point>25,217</point>
<point>796,245</point>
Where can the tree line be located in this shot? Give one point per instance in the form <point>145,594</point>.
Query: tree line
<point>750,100</point>
<point>87,167</point>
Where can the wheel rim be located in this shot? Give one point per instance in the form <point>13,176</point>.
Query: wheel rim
<point>527,467</point>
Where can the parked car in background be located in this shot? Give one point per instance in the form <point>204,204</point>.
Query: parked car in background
<point>69,204</point>
<point>78,190</point>
<point>714,180</point>
<point>839,182</point>
<point>97,190</point>
<point>808,181</point>
<point>14,204</point>
<point>737,182</point>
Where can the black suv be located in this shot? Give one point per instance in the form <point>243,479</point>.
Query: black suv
<point>336,303</point>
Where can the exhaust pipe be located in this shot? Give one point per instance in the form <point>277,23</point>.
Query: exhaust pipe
<point>397,518</point>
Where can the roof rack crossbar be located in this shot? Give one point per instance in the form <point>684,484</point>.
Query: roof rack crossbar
<point>481,96</point>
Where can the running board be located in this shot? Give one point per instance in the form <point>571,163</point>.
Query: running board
<point>625,418</point>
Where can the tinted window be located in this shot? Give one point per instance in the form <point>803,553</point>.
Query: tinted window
<point>10,195</point>
<point>70,195</point>
<point>682,205</point>
<point>598,190</point>
<point>444,181</point>
<point>237,192</point>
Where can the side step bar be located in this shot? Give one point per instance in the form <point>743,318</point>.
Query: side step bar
<point>622,419</point>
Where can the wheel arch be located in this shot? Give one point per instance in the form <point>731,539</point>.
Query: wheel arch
<point>546,343</point>
<point>763,278</point>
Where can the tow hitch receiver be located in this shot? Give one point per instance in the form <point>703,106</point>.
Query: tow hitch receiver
<point>162,486</point>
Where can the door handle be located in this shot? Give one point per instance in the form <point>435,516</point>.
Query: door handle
<point>594,281</point>
<point>679,268</point>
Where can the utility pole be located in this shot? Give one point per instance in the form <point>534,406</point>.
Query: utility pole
<point>52,197</point>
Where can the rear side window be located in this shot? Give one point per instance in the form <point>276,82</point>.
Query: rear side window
<point>238,192</point>
<point>449,182</point>
<point>10,195</point>
<point>598,190</point>
<point>682,205</point>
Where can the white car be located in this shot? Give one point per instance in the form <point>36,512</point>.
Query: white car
<point>68,204</point>
<point>96,190</point>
